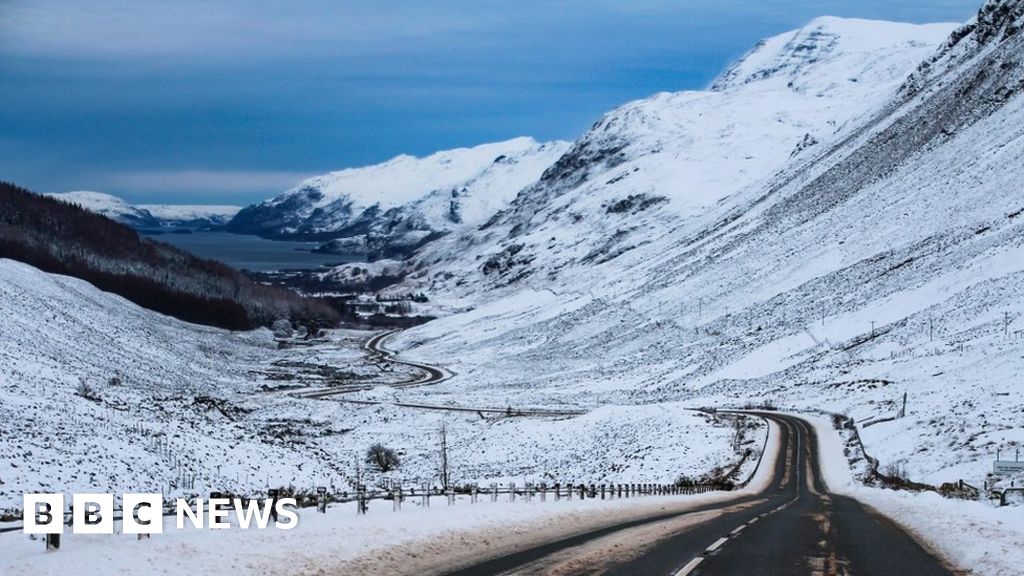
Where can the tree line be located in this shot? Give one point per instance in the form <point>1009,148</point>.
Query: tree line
<point>64,238</point>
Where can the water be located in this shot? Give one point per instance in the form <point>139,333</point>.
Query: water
<point>252,252</point>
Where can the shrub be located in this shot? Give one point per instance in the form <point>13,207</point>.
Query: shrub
<point>382,458</point>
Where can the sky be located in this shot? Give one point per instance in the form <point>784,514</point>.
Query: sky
<point>204,102</point>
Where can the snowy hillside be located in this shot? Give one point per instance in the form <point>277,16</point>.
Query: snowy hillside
<point>150,216</point>
<point>394,207</point>
<point>110,206</point>
<point>98,394</point>
<point>698,247</point>
<point>666,164</point>
<point>184,214</point>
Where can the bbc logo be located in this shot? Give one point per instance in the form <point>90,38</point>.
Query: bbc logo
<point>143,513</point>
<point>93,514</point>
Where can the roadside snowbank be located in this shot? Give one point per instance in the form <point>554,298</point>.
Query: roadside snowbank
<point>341,542</point>
<point>971,535</point>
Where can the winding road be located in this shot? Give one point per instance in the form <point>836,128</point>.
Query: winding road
<point>430,375</point>
<point>377,353</point>
<point>792,527</point>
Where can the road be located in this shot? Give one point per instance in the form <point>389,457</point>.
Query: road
<point>792,527</point>
<point>377,353</point>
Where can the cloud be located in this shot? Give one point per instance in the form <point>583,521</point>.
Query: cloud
<point>203,182</point>
<point>104,29</point>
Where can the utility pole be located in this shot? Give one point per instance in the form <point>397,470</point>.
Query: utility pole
<point>445,471</point>
<point>931,329</point>
<point>903,411</point>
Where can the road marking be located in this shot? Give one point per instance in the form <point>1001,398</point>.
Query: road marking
<point>718,544</point>
<point>690,566</point>
<point>738,530</point>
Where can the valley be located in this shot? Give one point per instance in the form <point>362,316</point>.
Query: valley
<point>799,288</point>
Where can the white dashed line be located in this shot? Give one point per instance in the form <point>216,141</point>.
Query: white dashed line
<point>738,530</point>
<point>718,544</point>
<point>690,566</point>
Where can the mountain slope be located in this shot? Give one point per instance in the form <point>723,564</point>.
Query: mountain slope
<point>150,216</point>
<point>888,259</point>
<point>662,165</point>
<point>392,208</point>
<point>56,236</point>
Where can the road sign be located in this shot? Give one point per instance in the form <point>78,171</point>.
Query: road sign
<point>1007,467</point>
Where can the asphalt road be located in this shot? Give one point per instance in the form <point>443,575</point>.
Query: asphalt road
<point>794,527</point>
<point>376,352</point>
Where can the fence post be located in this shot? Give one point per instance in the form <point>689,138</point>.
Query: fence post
<point>583,491</point>
<point>398,499</point>
<point>543,491</point>
<point>494,492</point>
<point>512,492</point>
<point>426,496</point>
<point>473,497</point>
<point>602,491</point>
<point>593,491</point>
<point>558,491</point>
<point>361,504</point>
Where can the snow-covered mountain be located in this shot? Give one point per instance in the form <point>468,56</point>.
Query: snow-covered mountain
<point>394,207</point>
<point>659,165</point>
<point>150,216</point>
<point>836,223</point>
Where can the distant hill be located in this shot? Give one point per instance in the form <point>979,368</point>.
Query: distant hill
<point>64,238</point>
<point>391,209</point>
<point>150,216</point>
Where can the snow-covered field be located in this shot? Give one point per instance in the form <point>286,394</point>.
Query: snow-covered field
<point>383,541</point>
<point>99,395</point>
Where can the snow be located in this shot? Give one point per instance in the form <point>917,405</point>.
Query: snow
<point>791,235</point>
<point>152,426</point>
<point>190,211</point>
<point>147,215</point>
<point>344,542</point>
<point>108,205</point>
<point>406,178</point>
<point>972,534</point>
<point>444,190</point>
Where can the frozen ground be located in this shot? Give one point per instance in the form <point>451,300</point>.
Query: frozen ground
<point>342,542</point>
<point>99,395</point>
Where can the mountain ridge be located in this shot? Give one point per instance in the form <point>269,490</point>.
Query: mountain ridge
<point>397,206</point>
<point>149,216</point>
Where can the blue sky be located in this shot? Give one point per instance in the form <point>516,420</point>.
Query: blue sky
<point>231,102</point>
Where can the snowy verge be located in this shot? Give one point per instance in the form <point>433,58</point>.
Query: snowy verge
<point>344,543</point>
<point>970,535</point>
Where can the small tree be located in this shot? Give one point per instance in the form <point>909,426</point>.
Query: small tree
<point>382,458</point>
<point>282,328</point>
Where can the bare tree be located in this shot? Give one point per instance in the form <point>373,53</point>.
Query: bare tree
<point>382,458</point>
